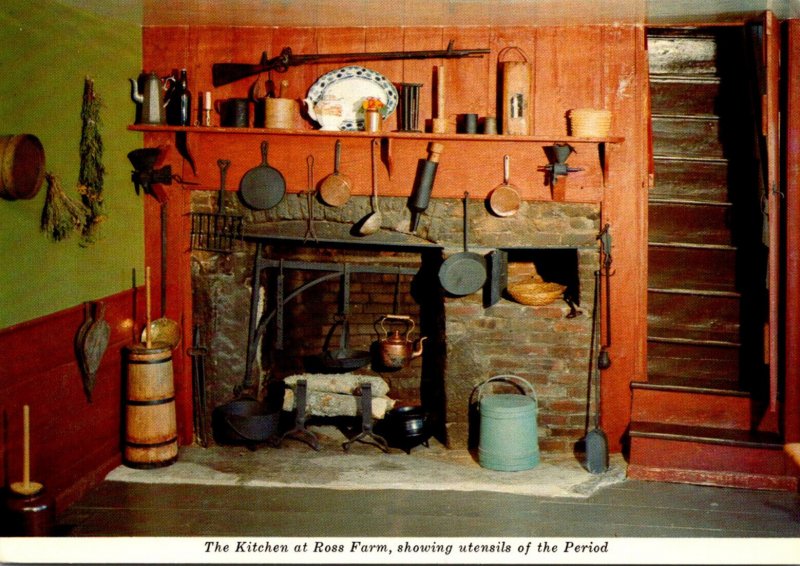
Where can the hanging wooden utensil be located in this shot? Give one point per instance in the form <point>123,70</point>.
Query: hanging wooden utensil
<point>148,334</point>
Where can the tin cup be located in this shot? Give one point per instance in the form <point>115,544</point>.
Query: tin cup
<point>233,112</point>
<point>468,123</point>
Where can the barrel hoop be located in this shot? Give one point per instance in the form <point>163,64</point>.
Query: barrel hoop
<point>151,444</point>
<point>150,403</point>
<point>145,362</point>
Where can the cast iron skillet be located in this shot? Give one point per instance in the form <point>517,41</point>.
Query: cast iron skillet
<point>262,187</point>
<point>465,272</point>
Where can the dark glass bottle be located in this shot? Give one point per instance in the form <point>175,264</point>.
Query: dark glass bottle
<point>179,107</point>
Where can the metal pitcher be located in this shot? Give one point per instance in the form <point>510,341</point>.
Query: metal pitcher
<point>150,98</point>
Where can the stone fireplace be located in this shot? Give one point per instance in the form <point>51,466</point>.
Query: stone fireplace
<point>468,339</point>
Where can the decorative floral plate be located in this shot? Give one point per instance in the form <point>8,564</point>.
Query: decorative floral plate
<point>335,99</point>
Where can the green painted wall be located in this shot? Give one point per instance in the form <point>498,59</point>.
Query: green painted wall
<point>47,51</point>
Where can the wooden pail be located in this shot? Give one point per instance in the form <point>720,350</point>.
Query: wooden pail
<point>151,439</point>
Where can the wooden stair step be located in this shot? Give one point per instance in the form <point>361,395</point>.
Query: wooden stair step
<point>705,181</point>
<point>685,56</point>
<point>712,406</point>
<point>684,364</point>
<point>689,136</point>
<point>708,385</point>
<point>689,223</point>
<point>713,318</point>
<point>697,268</point>
<point>708,456</point>
<point>676,95</point>
<point>707,435</point>
<point>653,339</point>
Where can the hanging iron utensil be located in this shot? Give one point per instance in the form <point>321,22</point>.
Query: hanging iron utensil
<point>263,186</point>
<point>198,355</point>
<point>216,231</point>
<point>465,272</point>
<point>603,359</point>
<point>596,440</point>
<point>310,201</point>
<point>371,223</point>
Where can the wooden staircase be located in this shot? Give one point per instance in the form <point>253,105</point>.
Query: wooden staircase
<point>701,416</point>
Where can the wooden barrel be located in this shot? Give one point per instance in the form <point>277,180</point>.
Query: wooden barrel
<point>21,166</point>
<point>151,439</point>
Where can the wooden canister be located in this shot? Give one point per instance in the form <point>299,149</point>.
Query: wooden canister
<point>151,439</point>
<point>21,166</point>
<point>30,515</point>
<point>281,113</point>
<point>516,119</point>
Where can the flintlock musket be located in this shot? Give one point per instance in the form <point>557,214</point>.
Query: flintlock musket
<point>226,73</point>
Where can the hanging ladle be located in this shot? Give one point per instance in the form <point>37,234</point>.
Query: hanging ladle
<point>372,222</point>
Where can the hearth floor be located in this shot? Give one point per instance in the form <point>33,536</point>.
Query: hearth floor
<point>433,492</point>
<point>365,467</point>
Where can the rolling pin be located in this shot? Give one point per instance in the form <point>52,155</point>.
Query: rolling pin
<point>418,202</point>
<point>439,123</point>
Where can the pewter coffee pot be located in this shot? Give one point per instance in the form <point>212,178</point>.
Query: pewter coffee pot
<point>150,99</point>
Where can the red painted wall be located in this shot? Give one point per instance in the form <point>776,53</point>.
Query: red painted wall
<point>74,442</point>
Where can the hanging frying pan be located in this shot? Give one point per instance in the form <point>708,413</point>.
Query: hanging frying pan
<point>465,272</point>
<point>262,187</point>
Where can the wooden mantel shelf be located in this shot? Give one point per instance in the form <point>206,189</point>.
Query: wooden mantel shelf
<point>370,135</point>
<point>388,138</point>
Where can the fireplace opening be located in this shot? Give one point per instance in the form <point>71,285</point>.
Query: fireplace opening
<point>553,265</point>
<point>468,339</point>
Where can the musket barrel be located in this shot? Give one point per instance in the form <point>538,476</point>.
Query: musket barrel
<point>226,73</point>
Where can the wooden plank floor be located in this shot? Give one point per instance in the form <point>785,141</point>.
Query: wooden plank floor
<point>629,509</point>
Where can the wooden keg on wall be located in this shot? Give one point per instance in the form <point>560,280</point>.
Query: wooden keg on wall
<point>151,439</point>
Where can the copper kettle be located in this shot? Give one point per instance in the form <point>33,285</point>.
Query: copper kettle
<point>396,350</point>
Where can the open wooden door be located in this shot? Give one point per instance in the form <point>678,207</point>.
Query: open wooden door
<point>765,39</point>
<point>792,234</point>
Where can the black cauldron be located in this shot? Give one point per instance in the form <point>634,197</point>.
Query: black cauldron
<point>244,421</point>
<point>406,427</point>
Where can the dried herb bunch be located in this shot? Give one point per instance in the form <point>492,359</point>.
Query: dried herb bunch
<point>90,176</point>
<point>61,215</point>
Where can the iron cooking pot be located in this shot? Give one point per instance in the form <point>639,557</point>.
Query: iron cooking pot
<point>243,421</point>
<point>407,427</point>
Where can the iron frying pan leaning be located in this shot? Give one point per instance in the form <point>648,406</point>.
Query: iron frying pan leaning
<point>263,186</point>
<point>465,272</point>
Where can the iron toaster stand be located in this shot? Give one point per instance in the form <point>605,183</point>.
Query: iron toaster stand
<point>300,432</point>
